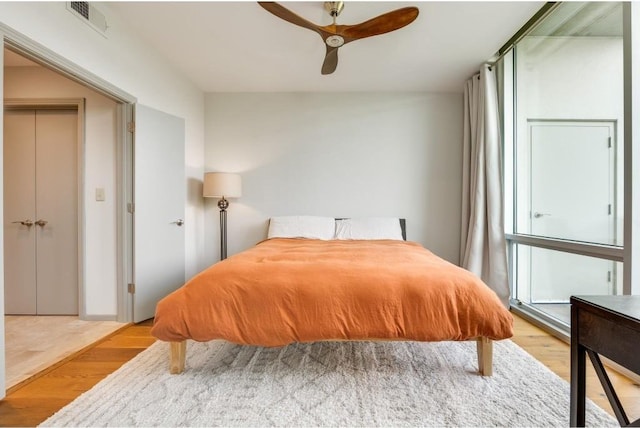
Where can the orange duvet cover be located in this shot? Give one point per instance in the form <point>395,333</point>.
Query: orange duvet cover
<point>304,290</point>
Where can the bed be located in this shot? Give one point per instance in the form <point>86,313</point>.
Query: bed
<point>292,288</point>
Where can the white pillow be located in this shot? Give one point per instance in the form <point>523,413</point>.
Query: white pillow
<point>302,227</point>
<point>369,228</point>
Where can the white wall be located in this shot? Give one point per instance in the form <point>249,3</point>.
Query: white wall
<point>341,155</point>
<point>124,60</point>
<point>100,169</point>
<point>569,78</point>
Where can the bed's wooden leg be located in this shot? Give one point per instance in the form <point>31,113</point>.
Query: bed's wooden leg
<point>178,356</point>
<point>485,356</point>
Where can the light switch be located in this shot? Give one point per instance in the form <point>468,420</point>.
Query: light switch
<point>99,194</point>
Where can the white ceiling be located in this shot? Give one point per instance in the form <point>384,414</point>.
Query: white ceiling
<point>240,47</point>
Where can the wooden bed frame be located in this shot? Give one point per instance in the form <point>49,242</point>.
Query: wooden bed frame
<point>178,350</point>
<point>178,354</point>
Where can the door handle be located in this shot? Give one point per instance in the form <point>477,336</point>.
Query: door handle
<point>179,222</point>
<point>538,215</point>
<point>41,223</point>
<point>27,222</point>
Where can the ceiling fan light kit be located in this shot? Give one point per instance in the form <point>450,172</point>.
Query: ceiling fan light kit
<point>335,36</point>
<point>334,41</point>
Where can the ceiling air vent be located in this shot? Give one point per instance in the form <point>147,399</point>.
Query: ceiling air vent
<point>89,14</point>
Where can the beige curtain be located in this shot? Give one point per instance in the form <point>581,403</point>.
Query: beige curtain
<point>482,243</point>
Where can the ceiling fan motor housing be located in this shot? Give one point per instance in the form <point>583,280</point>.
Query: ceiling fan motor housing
<point>334,7</point>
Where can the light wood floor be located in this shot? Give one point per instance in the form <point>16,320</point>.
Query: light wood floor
<point>36,401</point>
<point>34,343</point>
<point>555,354</point>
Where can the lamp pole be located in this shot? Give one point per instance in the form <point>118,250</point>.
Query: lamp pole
<point>223,204</point>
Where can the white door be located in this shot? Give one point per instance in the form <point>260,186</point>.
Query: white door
<point>572,197</point>
<point>159,195</point>
<point>41,220</point>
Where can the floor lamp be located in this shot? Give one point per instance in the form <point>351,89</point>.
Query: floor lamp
<point>222,185</point>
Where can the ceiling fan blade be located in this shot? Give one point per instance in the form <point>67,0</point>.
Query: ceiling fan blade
<point>384,23</point>
<point>284,13</point>
<point>330,60</point>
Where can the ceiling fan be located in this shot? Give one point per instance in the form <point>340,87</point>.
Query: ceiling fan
<point>335,36</point>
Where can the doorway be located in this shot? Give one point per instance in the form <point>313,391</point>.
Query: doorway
<point>41,209</point>
<point>108,258</point>
<point>37,94</point>
<point>572,197</point>
<point>571,189</point>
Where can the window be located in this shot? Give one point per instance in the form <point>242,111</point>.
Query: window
<point>564,107</point>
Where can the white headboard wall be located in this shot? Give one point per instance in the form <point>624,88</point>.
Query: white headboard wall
<point>337,155</point>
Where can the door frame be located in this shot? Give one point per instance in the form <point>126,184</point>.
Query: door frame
<point>76,104</point>
<point>42,55</point>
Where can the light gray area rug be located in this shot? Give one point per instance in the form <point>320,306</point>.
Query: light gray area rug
<point>329,384</point>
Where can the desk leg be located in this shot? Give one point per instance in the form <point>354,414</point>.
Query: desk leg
<point>578,372</point>
<point>623,420</point>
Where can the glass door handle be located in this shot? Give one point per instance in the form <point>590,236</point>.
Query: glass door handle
<point>41,223</point>
<point>27,222</point>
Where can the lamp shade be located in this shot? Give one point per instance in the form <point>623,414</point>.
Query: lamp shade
<point>222,184</point>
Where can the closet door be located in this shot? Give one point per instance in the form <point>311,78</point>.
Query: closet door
<point>56,204</point>
<point>19,206</point>
<point>40,205</point>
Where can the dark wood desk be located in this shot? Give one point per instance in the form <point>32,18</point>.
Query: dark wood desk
<point>607,326</point>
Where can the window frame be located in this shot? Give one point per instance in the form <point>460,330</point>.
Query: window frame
<point>616,253</point>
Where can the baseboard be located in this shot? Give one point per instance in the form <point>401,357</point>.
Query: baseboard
<point>99,318</point>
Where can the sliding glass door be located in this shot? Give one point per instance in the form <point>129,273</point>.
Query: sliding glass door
<point>564,163</point>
